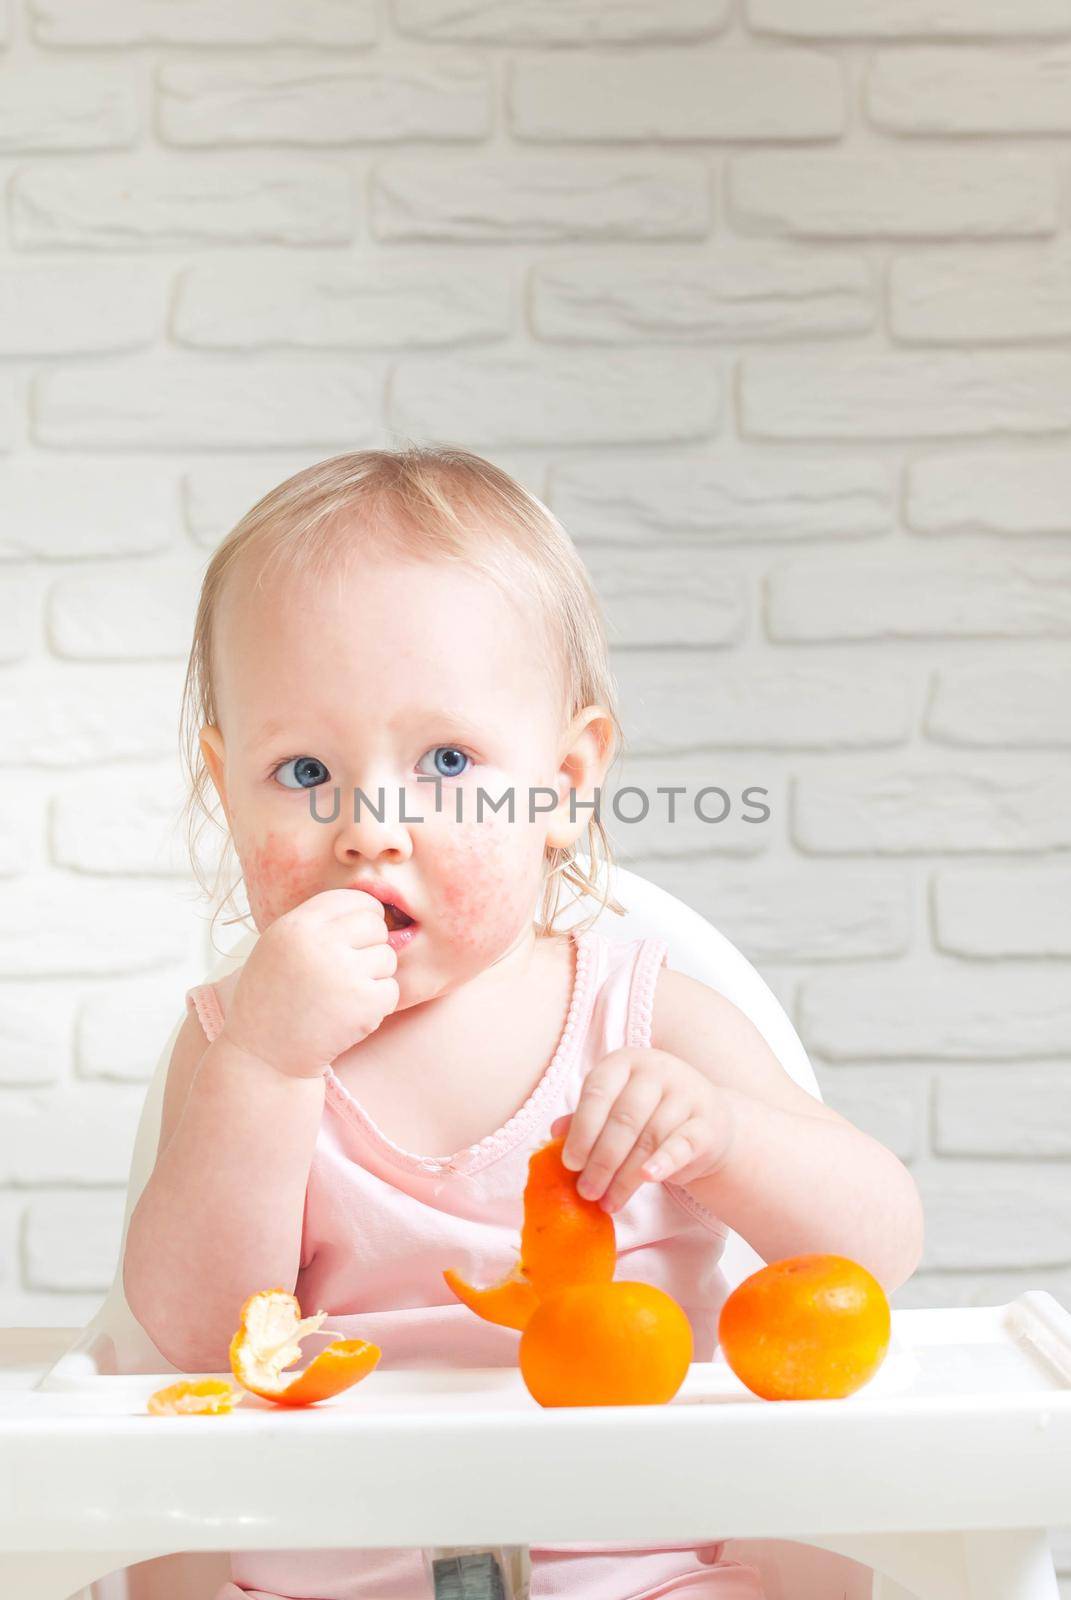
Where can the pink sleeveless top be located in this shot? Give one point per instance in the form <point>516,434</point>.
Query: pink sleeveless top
<point>380,1225</point>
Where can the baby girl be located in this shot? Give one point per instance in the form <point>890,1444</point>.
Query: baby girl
<point>409,991</point>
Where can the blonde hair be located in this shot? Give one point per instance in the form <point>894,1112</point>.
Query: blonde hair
<point>442,503</point>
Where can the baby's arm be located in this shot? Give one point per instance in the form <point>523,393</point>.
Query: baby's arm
<point>221,1216</point>
<point>797,1176</point>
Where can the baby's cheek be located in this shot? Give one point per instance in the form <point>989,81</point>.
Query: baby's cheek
<point>278,876</point>
<point>487,887</point>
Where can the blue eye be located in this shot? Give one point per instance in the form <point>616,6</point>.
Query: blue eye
<point>308,771</point>
<point>452,768</point>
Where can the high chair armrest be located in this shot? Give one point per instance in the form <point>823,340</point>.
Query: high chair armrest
<point>27,1353</point>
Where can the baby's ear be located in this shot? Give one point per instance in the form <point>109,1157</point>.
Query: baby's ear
<point>583,765</point>
<point>213,751</point>
<point>594,743</point>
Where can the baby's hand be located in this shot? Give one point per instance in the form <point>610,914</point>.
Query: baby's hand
<point>319,979</point>
<point>644,1115</point>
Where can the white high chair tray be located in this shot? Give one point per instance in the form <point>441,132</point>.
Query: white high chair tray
<point>966,1426</point>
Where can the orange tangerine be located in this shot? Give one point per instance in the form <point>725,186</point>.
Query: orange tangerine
<point>606,1344</point>
<point>811,1327</point>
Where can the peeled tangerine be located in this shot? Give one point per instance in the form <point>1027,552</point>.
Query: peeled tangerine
<point>813,1327</point>
<point>585,1340</point>
<point>269,1337</point>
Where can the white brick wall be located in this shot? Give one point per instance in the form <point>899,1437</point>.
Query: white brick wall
<point>770,300</point>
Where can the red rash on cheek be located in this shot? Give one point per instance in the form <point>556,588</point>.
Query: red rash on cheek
<point>485,884</point>
<point>278,877</point>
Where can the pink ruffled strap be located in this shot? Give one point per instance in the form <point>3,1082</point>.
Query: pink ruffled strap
<point>203,1001</point>
<point>652,954</point>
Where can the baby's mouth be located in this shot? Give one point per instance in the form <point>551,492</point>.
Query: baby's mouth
<point>395,918</point>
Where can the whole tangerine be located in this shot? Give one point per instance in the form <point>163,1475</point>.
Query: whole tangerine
<point>606,1344</point>
<point>811,1327</point>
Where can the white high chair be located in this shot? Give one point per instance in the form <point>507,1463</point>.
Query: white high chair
<point>115,1343</point>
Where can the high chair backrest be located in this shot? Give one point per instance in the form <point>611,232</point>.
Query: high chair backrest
<point>115,1342</point>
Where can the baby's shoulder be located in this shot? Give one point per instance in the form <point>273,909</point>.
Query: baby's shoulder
<point>226,986</point>
<point>686,1010</point>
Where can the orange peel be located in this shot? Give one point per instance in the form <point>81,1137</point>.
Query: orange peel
<point>565,1239</point>
<point>195,1397</point>
<point>270,1331</point>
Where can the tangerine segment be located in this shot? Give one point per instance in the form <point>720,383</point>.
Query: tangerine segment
<point>811,1327</point>
<point>564,1239</point>
<point>268,1339</point>
<point>606,1344</point>
<point>195,1397</point>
